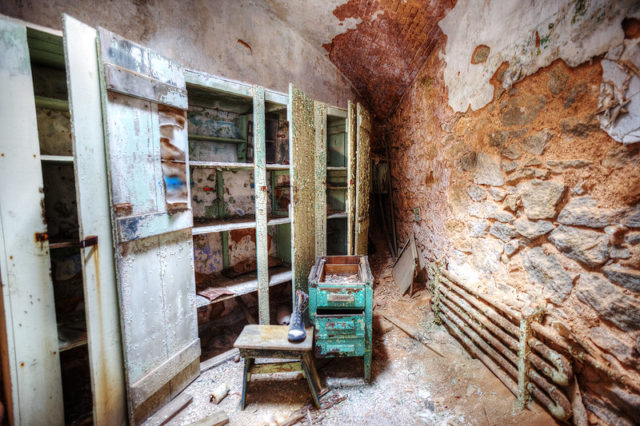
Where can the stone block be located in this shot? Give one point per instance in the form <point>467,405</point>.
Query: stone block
<point>607,341</point>
<point>588,247</point>
<point>486,254</point>
<point>488,170</point>
<point>477,193</point>
<point>491,211</point>
<point>626,277</point>
<point>544,269</point>
<point>478,228</point>
<point>536,143</point>
<point>532,229</point>
<point>502,231</point>
<point>497,193</point>
<point>583,211</point>
<point>540,198</point>
<point>609,301</point>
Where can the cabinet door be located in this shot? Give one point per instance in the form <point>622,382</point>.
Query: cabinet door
<point>302,153</point>
<point>92,195</point>
<point>30,356</point>
<point>351,176</point>
<point>320,123</point>
<point>363,180</point>
<point>144,97</point>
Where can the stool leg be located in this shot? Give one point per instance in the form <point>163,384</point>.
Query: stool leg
<point>310,380</point>
<point>367,365</point>
<point>314,372</point>
<point>246,377</point>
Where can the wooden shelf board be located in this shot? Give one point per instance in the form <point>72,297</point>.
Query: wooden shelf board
<point>245,284</point>
<point>57,158</point>
<point>341,215</point>
<point>220,165</point>
<point>222,225</point>
<point>215,139</point>
<point>278,166</point>
<point>336,168</point>
<point>52,103</point>
<point>278,221</point>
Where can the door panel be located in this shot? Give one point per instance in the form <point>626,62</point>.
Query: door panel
<point>302,137</point>
<point>363,180</point>
<point>92,195</point>
<point>351,176</point>
<point>31,358</point>
<point>144,96</point>
<point>320,121</point>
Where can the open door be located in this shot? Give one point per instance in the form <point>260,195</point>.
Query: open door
<point>363,180</point>
<point>30,354</point>
<point>320,123</point>
<point>92,195</point>
<point>351,176</point>
<point>302,160</point>
<point>144,98</point>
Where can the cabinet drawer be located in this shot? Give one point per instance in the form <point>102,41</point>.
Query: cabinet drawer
<point>344,326</point>
<point>338,347</point>
<point>340,297</point>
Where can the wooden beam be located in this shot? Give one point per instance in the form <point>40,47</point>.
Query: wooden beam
<point>320,123</point>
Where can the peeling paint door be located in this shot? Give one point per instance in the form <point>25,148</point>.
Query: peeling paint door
<point>302,160</point>
<point>351,176</point>
<point>144,96</point>
<point>363,179</point>
<point>30,356</point>
<point>92,195</point>
<point>320,123</point>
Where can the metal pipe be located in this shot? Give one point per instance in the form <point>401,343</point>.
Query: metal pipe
<point>559,376</point>
<point>561,364</point>
<point>555,402</point>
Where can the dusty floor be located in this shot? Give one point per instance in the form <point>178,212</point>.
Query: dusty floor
<point>410,383</point>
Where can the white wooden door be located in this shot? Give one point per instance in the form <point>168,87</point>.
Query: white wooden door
<point>92,195</point>
<point>30,356</point>
<point>144,95</point>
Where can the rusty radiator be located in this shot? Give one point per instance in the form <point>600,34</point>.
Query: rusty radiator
<point>506,341</point>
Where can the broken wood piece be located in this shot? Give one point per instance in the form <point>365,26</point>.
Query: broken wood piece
<point>217,360</point>
<point>245,310</point>
<point>411,333</point>
<point>334,400</point>
<point>169,410</point>
<point>216,419</point>
<point>407,266</point>
<point>219,393</point>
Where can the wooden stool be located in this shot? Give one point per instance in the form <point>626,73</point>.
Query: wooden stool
<point>270,341</point>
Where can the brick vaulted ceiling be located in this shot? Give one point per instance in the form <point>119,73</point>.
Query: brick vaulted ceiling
<point>379,45</point>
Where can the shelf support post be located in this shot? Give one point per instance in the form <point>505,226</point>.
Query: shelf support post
<point>260,188</point>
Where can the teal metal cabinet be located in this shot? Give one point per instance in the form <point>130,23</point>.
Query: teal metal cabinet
<point>341,306</point>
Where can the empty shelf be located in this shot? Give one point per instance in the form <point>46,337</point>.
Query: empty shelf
<point>222,225</point>
<point>245,284</point>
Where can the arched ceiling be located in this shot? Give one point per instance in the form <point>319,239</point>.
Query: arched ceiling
<point>379,45</point>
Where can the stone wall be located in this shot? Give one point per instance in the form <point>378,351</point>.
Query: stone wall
<point>531,197</point>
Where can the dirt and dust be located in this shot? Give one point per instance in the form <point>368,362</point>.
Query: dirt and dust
<point>410,384</point>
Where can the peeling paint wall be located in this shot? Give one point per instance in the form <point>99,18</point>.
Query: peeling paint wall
<point>241,39</point>
<point>524,191</point>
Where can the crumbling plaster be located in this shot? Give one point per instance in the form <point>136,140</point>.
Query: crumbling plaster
<point>205,35</point>
<point>528,36</point>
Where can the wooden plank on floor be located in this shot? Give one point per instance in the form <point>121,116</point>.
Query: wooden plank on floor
<point>169,411</point>
<point>216,419</point>
<point>217,360</point>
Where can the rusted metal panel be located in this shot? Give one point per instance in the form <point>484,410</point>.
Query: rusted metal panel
<point>260,187</point>
<point>351,176</point>
<point>31,360</point>
<point>92,195</point>
<point>320,122</point>
<point>156,281</point>
<point>363,181</point>
<point>302,137</point>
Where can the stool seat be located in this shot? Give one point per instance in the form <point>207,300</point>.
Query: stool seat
<point>270,342</point>
<point>271,337</point>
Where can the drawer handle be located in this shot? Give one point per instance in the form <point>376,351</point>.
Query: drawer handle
<point>341,298</point>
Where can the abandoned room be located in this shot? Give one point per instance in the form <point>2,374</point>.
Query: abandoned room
<point>320,212</point>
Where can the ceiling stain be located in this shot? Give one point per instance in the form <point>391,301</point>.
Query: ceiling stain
<point>384,53</point>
